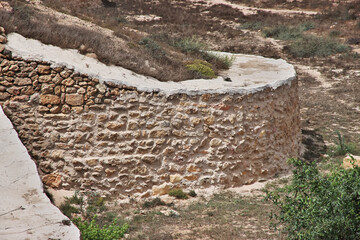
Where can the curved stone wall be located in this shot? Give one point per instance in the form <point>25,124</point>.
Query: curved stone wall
<point>121,139</point>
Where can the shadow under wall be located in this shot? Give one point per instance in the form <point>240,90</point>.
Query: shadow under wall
<point>313,145</point>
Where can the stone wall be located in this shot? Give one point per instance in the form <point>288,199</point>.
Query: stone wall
<point>84,134</point>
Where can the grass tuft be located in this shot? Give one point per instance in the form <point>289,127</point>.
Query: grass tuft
<point>178,193</point>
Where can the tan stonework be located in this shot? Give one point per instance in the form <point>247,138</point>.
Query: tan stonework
<point>120,141</point>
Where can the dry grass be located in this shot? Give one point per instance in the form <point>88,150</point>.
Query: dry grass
<point>224,216</point>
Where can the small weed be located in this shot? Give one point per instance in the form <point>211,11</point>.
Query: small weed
<point>202,68</point>
<point>307,26</point>
<point>342,147</point>
<point>153,203</point>
<point>334,33</point>
<point>192,193</point>
<point>178,193</point>
<point>210,214</point>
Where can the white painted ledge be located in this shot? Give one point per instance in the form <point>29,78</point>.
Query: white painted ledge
<point>25,211</point>
<point>248,73</point>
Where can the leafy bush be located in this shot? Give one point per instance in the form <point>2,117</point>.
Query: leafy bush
<point>92,231</point>
<point>310,46</point>
<point>178,193</point>
<point>317,206</point>
<point>202,68</point>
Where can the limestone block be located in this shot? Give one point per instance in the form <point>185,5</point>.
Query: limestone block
<point>132,125</point>
<point>45,78</point>
<point>52,180</point>
<point>209,120</point>
<point>49,99</point>
<point>92,162</point>
<point>115,125</point>
<point>175,178</point>
<point>74,99</point>
<point>43,69</point>
<point>215,142</point>
<point>22,81</point>
<point>149,159</point>
<point>4,96</point>
<point>161,189</point>
<point>191,177</point>
<point>193,168</point>
<point>57,155</point>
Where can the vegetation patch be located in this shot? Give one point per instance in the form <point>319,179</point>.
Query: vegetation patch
<point>318,206</point>
<point>312,46</point>
<point>201,68</point>
<point>342,146</point>
<point>189,45</point>
<point>154,48</point>
<point>153,203</point>
<point>92,231</point>
<point>178,193</point>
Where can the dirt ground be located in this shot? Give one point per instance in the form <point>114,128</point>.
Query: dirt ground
<point>329,87</point>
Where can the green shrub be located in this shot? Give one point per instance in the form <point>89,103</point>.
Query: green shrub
<point>92,231</point>
<point>219,60</point>
<point>192,193</point>
<point>178,193</point>
<point>283,32</point>
<point>310,46</point>
<point>189,45</point>
<point>153,203</point>
<point>67,209</point>
<point>316,206</point>
<point>202,68</point>
<point>152,46</point>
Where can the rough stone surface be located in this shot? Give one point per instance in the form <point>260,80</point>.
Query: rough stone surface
<point>119,140</point>
<point>26,212</point>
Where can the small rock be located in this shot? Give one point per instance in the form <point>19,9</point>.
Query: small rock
<point>170,213</point>
<point>347,161</point>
